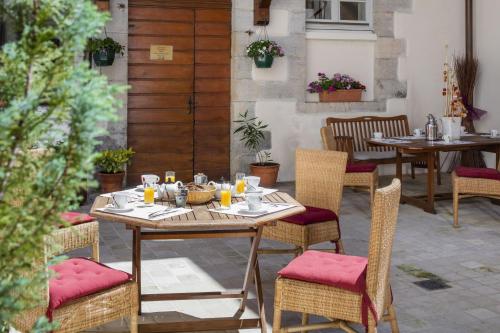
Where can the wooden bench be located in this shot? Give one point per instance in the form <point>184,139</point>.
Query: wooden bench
<point>350,135</point>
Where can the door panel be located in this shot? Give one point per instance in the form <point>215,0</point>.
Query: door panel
<point>160,119</point>
<point>212,92</point>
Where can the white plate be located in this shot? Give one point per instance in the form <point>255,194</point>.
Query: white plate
<point>118,210</point>
<point>252,212</point>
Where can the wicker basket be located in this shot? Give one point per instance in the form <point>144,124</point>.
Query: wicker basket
<point>201,197</point>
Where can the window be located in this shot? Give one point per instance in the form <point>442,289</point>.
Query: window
<point>339,14</point>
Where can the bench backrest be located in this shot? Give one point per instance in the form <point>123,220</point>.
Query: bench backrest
<point>362,128</point>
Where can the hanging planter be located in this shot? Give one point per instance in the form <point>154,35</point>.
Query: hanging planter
<point>263,52</point>
<point>339,88</point>
<point>103,51</point>
<point>264,61</point>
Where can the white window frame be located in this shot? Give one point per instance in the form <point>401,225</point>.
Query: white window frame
<point>337,24</point>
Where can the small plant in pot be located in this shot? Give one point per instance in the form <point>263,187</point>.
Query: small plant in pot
<point>339,88</point>
<point>263,52</point>
<point>252,135</point>
<point>111,164</point>
<point>103,50</point>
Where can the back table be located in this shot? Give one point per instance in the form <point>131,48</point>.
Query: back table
<point>202,224</point>
<point>430,148</point>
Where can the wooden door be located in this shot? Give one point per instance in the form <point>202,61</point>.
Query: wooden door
<point>179,109</point>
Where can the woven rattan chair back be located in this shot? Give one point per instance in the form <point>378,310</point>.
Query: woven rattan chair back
<point>319,178</point>
<point>384,218</point>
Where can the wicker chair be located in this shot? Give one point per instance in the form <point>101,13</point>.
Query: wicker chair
<point>344,289</point>
<point>471,182</point>
<point>319,183</point>
<point>358,175</point>
<point>92,309</point>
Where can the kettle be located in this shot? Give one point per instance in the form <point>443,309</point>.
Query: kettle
<point>431,128</point>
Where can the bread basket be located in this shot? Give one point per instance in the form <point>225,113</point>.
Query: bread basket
<point>202,194</point>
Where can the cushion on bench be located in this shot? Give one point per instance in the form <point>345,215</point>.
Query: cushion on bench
<point>312,215</point>
<point>376,155</point>
<point>360,167</point>
<point>484,173</point>
<point>79,277</point>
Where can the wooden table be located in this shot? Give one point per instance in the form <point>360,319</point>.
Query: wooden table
<point>202,224</point>
<point>431,148</point>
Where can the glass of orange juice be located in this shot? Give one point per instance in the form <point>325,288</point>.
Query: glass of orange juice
<point>240,183</point>
<point>149,194</point>
<point>170,177</point>
<point>225,196</point>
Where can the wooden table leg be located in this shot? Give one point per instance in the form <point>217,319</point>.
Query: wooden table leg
<point>260,298</point>
<point>399,165</point>
<point>252,259</point>
<point>136,261</point>
<point>431,160</point>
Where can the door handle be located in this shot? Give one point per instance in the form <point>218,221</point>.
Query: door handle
<point>191,105</point>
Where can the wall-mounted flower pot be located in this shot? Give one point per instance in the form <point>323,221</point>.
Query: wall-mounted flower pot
<point>338,96</point>
<point>104,57</point>
<point>264,61</point>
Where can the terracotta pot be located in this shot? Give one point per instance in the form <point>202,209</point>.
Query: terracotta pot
<point>337,96</point>
<point>268,173</point>
<point>111,182</point>
<point>102,5</point>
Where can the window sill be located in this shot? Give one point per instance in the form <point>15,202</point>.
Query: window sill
<point>341,35</point>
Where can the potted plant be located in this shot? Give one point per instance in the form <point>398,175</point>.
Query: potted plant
<point>103,50</point>
<point>252,136</point>
<point>111,164</point>
<point>339,88</point>
<point>263,52</point>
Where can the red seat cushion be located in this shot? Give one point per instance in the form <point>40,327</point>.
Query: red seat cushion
<point>76,218</point>
<point>360,167</point>
<point>79,277</point>
<point>485,173</point>
<point>339,271</point>
<point>312,215</point>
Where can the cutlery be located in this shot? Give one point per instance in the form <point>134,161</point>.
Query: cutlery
<point>165,212</point>
<point>277,203</point>
<point>159,211</point>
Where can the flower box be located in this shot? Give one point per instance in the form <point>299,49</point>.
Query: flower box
<point>337,96</point>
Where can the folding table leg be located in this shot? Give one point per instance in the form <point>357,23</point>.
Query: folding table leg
<point>252,259</point>
<point>136,261</point>
<point>260,298</point>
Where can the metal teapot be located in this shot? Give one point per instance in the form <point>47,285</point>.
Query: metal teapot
<point>431,128</point>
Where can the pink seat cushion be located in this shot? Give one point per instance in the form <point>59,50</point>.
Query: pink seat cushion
<point>331,269</point>
<point>341,271</point>
<point>360,167</point>
<point>312,215</point>
<point>484,173</point>
<point>79,277</point>
<point>76,218</point>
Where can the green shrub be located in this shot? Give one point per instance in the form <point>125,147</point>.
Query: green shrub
<point>113,161</point>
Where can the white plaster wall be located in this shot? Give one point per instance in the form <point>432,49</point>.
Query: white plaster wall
<point>427,29</point>
<point>487,45</point>
<point>355,57</point>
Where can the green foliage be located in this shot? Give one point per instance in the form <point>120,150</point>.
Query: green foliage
<point>252,136</point>
<point>113,161</point>
<point>264,47</point>
<point>109,44</point>
<point>51,100</point>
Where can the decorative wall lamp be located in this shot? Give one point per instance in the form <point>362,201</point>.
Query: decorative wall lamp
<point>261,12</point>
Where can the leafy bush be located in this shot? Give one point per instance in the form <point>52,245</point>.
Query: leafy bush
<point>264,47</point>
<point>109,44</point>
<point>337,82</point>
<point>113,161</point>
<point>47,96</point>
<point>252,136</point>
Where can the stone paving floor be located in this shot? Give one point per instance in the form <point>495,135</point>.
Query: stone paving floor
<point>468,259</point>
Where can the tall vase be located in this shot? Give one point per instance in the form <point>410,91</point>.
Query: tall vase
<point>452,127</point>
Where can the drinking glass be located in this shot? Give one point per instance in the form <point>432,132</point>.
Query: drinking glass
<point>225,196</point>
<point>170,177</point>
<point>149,193</point>
<point>240,182</point>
